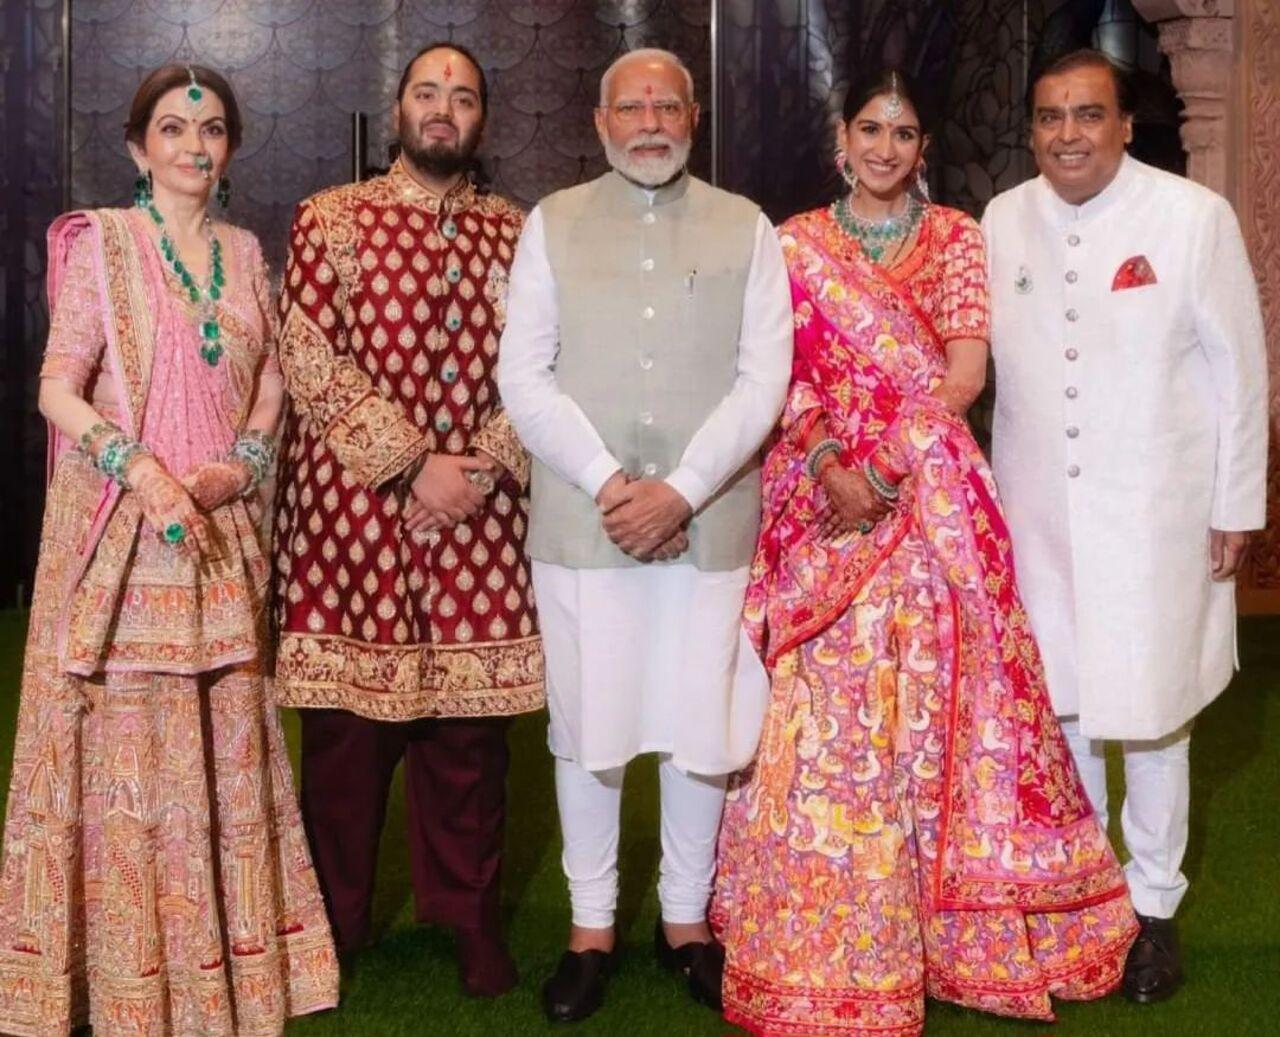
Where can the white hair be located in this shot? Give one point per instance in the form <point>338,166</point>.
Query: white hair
<point>644,54</point>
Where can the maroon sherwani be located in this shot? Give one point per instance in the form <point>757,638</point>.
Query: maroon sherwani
<point>394,645</point>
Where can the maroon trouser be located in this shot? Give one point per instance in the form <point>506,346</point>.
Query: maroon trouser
<point>455,799</point>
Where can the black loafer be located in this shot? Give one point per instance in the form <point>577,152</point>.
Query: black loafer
<point>576,989</point>
<point>702,963</point>
<point>1153,970</point>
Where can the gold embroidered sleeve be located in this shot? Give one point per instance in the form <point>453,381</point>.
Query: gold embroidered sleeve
<point>371,436</point>
<point>76,334</point>
<point>498,439</point>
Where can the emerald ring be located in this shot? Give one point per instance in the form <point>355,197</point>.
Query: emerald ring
<point>175,533</point>
<point>864,527</point>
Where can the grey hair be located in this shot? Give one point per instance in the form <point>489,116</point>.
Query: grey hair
<point>651,54</point>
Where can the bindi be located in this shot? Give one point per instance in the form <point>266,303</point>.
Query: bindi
<point>648,91</point>
<point>448,71</point>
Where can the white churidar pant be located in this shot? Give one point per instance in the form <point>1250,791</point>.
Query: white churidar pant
<point>646,659</point>
<point>589,807</point>
<point>1155,815</point>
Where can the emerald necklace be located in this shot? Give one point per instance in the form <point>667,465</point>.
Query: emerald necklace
<point>876,236</point>
<point>203,297</point>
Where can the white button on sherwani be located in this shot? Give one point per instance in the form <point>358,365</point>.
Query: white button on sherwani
<point>1131,416</point>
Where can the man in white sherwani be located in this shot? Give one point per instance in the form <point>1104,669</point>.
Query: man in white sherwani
<point>1130,450</point>
<point>646,358</point>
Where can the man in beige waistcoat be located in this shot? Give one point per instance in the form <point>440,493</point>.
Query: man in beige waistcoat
<point>646,357</point>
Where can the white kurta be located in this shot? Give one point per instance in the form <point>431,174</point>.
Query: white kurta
<point>650,658</point>
<point>1127,424</point>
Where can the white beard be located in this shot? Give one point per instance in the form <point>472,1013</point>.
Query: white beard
<point>649,172</point>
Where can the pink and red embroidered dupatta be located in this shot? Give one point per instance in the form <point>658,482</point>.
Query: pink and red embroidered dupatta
<point>1001,826</point>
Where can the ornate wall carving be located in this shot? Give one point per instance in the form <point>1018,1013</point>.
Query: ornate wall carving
<point>1258,175</point>
<point>1226,65</point>
<point>1201,53</point>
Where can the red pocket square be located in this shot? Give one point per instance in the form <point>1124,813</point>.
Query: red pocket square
<point>1133,273</point>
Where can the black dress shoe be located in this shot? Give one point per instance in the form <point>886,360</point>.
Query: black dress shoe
<point>484,964</point>
<point>703,963</point>
<point>1153,970</point>
<point>576,989</point>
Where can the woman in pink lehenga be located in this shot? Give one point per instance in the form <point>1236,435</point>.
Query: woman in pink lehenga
<point>155,875</point>
<point>913,824</point>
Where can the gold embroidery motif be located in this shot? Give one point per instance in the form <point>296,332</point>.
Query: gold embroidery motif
<point>390,682</point>
<point>498,439</point>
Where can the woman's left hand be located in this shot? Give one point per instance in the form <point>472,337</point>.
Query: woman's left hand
<point>852,503</point>
<point>214,483</point>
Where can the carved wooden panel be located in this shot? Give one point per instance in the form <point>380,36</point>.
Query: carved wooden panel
<point>1259,208</point>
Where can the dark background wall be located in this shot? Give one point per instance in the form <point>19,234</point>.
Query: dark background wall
<point>31,179</point>
<point>301,67</point>
<point>787,65</point>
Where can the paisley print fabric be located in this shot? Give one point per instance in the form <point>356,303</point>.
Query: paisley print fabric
<point>913,824</point>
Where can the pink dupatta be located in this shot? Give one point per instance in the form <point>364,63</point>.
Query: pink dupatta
<point>186,412</point>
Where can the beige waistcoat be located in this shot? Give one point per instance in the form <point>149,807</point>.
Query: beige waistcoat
<point>650,299</point>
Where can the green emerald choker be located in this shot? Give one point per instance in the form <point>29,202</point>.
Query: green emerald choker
<point>876,236</point>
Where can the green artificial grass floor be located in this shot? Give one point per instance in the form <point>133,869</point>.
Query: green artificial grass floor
<point>407,983</point>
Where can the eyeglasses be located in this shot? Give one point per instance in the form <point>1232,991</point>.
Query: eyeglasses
<point>633,111</point>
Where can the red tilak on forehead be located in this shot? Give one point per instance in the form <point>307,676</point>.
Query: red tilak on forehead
<point>648,90</point>
<point>448,71</point>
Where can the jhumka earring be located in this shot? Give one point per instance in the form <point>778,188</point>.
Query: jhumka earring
<point>142,190</point>
<point>224,191</point>
<point>922,183</point>
<point>846,171</point>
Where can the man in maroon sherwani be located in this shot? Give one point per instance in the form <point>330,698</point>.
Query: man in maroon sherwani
<point>407,626</point>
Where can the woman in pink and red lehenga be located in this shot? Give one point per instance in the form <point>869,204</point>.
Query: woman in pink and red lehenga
<point>155,875</point>
<point>913,824</point>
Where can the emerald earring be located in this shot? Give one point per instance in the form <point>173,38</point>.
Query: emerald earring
<point>142,190</point>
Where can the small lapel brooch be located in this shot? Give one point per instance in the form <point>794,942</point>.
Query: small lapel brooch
<point>1133,273</point>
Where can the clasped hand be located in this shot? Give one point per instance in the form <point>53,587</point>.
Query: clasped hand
<point>442,494</point>
<point>644,517</point>
<point>165,501</point>
<point>851,501</point>
<point>214,483</point>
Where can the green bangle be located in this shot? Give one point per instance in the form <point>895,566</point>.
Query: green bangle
<point>94,432</point>
<point>884,489</point>
<point>814,457</point>
<point>116,455</point>
<point>257,452</point>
